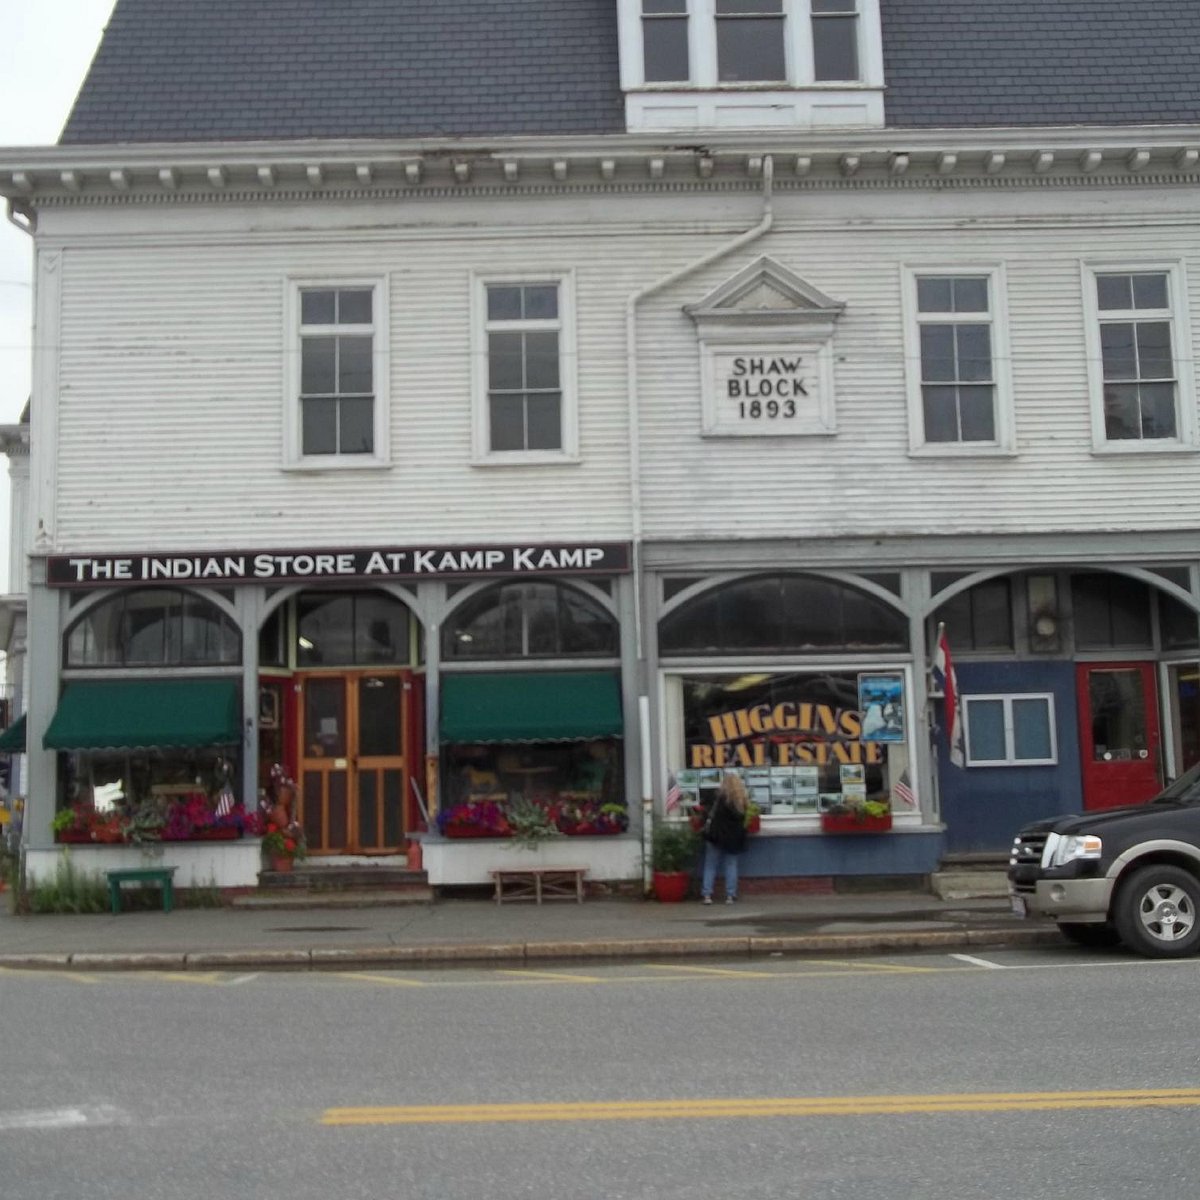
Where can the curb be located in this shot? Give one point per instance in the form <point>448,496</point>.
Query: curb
<point>531,952</point>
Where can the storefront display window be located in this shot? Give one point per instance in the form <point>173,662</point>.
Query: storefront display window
<point>803,741</point>
<point>576,784</point>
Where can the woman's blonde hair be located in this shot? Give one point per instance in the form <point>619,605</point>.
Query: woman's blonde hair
<point>734,790</point>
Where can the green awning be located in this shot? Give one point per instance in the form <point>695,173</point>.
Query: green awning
<point>12,740</point>
<point>137,714</point>
<point>520,707</point>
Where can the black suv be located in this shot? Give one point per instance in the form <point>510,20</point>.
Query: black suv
<point>1120,874</point>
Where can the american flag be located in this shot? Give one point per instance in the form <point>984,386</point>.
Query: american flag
<point>945,678</point>
<point>224,802</point>
<point>674,795</point>
<point>903,789</point>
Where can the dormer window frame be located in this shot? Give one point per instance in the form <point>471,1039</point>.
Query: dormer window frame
<point>703,19</point>
<point>799,100</point>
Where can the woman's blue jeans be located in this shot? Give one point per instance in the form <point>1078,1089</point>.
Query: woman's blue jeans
<point>713,857</point>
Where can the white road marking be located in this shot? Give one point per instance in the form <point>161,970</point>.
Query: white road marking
<point>979,962</point>
<point>242,979</point>
<point>62,1118</point>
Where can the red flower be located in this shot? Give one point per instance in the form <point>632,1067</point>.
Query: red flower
<point>289,845</point>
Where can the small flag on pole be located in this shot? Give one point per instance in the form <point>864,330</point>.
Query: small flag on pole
<point>903,789</point>
<point>674,795</point>
<point>945,679</point>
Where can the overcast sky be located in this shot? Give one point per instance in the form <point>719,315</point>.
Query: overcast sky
<point>45,50</point>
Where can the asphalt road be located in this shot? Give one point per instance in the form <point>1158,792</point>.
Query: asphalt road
<point>1034,1074</point>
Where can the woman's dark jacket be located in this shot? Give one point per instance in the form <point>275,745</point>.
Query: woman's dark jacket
<point>727,828</point>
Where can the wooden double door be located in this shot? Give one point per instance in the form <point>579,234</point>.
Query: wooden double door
<point>356,752</point>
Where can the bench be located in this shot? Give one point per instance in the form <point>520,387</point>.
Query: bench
<point>163,876</point>
<point>538,883</point>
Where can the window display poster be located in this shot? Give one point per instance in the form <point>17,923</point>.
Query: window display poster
<point>881,702</point>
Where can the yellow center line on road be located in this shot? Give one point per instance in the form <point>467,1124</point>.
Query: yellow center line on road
<point>552,976</point>
<point>49,973</point>
<point>391,980</point>
<point>853,965</point>
<point>736,972</point>
<point>766,1106</point>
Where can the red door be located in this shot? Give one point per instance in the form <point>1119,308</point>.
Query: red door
<point>1118,733</point>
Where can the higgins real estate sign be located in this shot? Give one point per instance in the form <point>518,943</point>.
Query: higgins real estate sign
<point>387,562</point>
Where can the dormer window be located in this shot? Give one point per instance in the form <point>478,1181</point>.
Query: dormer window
<point>750,45</point>
<point>689,64</point>
<point>665,40</point>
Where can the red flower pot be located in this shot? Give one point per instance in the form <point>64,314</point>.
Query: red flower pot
<point>670,887</point>
<point>280,862</point>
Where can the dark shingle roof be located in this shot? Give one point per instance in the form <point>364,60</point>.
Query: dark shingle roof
<point>215,70</point>
<point>201,70</point>
<point>1041,62</point>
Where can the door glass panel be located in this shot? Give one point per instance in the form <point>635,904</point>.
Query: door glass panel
<point>368,813</point>
<point>379,717</point>
<point>338,819</point>
<point>393,800</point>
<point>1118,709</point>
<point>325,718</point>
<point>312,820</point>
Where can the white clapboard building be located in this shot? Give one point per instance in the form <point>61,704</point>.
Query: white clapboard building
<point>495,414</point>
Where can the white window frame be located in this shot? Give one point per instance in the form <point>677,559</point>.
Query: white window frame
<point>481,452</point>
<point>1185,438</point>
<point>1010,759</point>
<point>293,458</point>
<point>1004,444</point>
<point>704,101</point>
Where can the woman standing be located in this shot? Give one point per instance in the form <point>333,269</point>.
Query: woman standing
<point>724,836</point>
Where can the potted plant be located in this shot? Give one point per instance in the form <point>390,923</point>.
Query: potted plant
<point>673,847</point>
<point>530,823</point>
<point>753,817</point>
<point>282,845</point>
<point>855,815</point>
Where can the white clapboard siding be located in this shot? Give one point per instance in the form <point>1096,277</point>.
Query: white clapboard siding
<point>172,379</point>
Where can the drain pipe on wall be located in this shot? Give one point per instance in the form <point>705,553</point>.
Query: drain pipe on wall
<point>635,488</point>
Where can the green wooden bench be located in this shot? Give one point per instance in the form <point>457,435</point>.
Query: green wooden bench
<point>163,876</point>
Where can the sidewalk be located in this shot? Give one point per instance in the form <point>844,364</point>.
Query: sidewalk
<point>477,930</point>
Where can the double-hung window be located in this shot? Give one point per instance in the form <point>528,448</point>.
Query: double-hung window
<point>958,378</point>
<point>525,389</point>
<point>750,41</point>
<point>1010,730</point>
<point>665,41</point>
<point>1135,329</point>
<point>835,33</point>
<point>340,376</point>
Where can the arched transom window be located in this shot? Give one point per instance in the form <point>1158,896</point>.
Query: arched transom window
<point>782,614</point>
<point>530,620</point>
<point>153,627</point>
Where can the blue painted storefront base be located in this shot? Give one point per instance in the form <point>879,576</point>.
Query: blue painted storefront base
<point>829,854</point>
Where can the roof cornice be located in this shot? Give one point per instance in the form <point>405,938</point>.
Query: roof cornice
<point>30,176</point>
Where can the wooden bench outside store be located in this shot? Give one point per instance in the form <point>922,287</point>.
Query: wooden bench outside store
<point>163,876</point>
<point>538,883</point>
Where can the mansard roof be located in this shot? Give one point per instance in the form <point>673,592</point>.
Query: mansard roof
<point>229,70</point>
<point>224,70</point>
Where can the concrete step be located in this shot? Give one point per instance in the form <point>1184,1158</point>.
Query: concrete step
<point>974,884</point>
<point>315,877</point>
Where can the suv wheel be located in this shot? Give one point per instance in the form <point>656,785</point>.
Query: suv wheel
<point>1157,912</point>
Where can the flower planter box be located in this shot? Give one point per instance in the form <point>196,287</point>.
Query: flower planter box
<point>73,837</point>
<point>219,833</point>
<point>473,831</point>
<point>846,823</point>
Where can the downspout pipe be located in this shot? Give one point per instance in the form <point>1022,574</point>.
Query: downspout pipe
<point>635,470</point>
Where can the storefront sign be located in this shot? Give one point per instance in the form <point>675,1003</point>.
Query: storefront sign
<point>383,563</point>
<point>775,735</point>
